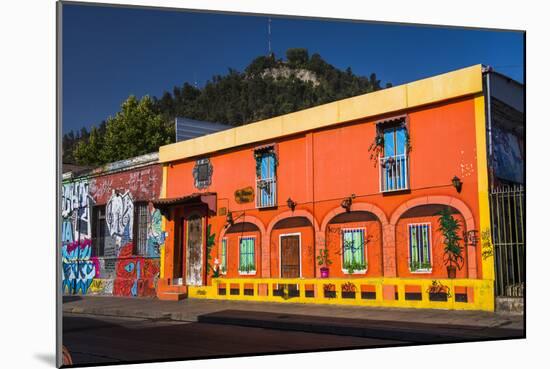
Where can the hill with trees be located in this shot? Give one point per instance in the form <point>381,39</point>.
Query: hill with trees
<point>268,87</point>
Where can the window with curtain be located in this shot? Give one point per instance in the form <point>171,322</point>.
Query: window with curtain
<point>247,264</point>
<point>223,262</point>
<point>353,249</point>
<point>419,247</point>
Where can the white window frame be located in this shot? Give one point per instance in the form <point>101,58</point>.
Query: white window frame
<point>273,182</point>
<point>253,272</point>
<point>365,249</point>
<point>299,234</point>
<point>419,271</point>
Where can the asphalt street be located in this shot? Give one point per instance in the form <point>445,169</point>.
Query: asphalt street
<point>101,339</point>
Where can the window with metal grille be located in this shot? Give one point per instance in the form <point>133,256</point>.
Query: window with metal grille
<point>420,259</point>
<point>247,263</point>
<point>141,221</point>
<point>223,263</point>
<point>394,174</point>
<point>99,228</point>
<point>353,250</point>
<point>266,181</point>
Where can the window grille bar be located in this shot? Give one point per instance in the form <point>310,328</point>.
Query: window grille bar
<point>394,173</point>
<point>507,209</point>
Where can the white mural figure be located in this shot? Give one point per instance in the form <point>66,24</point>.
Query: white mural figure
<point>120,217</point>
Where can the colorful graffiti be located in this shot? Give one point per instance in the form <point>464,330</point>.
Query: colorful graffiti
<point>75,204</point>
<point>79,267</point>
<point>115,271</point>
<point>155,235</point>
<point>509,159</point>
<point>135,275</point>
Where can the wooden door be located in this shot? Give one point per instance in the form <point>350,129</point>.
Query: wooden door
<point>290,256</point>
<point>178,251</point>
<point>194,250</point>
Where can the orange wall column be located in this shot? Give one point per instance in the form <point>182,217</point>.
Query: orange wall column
<point>266,255</point>
<point>388,250</point>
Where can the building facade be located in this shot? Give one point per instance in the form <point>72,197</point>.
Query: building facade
<point>361,182</point>
<point>112,236</point>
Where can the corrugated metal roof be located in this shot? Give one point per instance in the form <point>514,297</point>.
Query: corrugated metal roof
<point>190,128</point>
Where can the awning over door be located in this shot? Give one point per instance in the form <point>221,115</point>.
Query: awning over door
<point>206,198</point>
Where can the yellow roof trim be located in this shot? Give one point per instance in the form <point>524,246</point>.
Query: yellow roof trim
<point>462,82</point>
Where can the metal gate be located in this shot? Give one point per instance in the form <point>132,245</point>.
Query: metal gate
<point>508,225</point>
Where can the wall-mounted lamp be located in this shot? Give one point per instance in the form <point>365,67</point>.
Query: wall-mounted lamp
<point>346,203</point>
<point>291,204</point>
<point>229,219</point>
<point>457,184</point>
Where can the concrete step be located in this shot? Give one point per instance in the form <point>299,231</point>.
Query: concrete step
<point>171,296</point>
<point>391,330</point>
<point>175,288</point>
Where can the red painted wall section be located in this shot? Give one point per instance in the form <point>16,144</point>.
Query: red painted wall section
<point>143,183</point>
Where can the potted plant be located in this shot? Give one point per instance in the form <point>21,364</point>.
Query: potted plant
<point>449,227</point>
<point>324,261</point>
<point>376,147</point>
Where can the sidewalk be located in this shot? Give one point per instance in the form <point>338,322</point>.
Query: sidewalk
<point>189,310</point>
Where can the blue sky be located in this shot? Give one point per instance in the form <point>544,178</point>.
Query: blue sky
<point>110,53</point>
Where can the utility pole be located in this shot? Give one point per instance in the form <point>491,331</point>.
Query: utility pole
<point>269,35</point>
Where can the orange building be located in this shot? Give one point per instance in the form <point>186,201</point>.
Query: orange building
<point>250,211</point>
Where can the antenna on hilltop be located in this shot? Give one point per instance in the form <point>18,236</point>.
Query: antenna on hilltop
<point>269,34</point>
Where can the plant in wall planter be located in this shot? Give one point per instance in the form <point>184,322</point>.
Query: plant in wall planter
<point>354,266</point>
<point>249,268</point>
<point>417,266</point>
<point>324,261</point>
<point>329,290</point>
<point>348,290</point>
<point>449,227</point>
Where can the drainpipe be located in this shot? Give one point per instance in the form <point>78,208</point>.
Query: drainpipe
<point>487,70</point>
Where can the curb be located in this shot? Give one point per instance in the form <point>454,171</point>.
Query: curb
<point>403,331</point>
<point>129,314</point>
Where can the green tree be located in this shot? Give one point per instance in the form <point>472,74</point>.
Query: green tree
<point>89,151</point>
<point>297,56</point>
<point>135,130</point>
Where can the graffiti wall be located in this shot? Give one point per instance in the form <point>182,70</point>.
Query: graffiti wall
<point>509,157</point>
<point>100,222</point>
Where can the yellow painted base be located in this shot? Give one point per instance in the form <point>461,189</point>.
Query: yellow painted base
<point>481,295</point>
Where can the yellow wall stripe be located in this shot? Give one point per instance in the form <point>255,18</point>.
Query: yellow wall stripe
<point>487,260</point>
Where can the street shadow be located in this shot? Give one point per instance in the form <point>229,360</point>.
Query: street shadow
<point>71,298</point>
